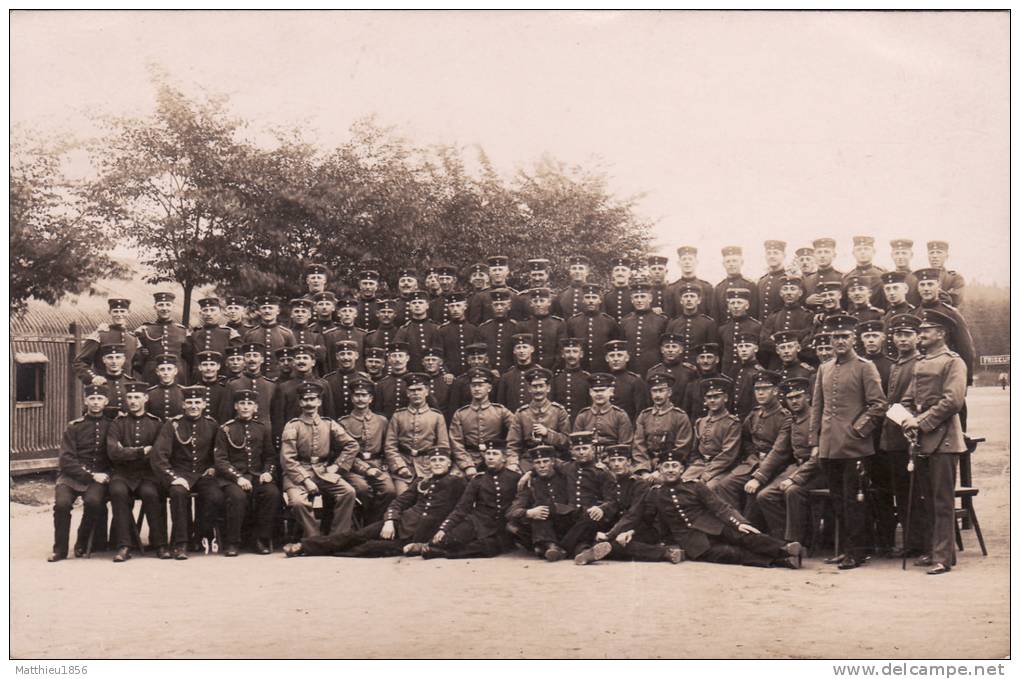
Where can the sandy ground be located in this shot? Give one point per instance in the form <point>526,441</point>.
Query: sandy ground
<point>515,606</point>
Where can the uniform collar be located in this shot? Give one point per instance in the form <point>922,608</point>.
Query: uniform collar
<point>595,409</point>
<point>484,406</point>
<point>910,357</point>
<point>419,411</point>
<point>850,356</point>
<point>310,419</point>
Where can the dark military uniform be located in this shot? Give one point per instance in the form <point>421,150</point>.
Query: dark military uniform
<point>547,332</point>
<point>706,305</point>
<point>308,334</point>
<point>720,312</point>
<point>184,450</point>
<point>570,299</point>
<point>694,401</point>
<point>366,318</point>
<point>742,374</point>
<point>285,404</point>
<point>896,447</point>
<point>570,389</point>
<point>420,336</point>
<point>729,333</point>
<point>769,299</point>
<point>216,391</point>
<point>958,338</point>
<point>382,336</point>
<point>82,454</point>
<point>244,449</point>
<point>657,430</point>
<point>264,386</point>
<point>166,401</point>
<point>951,284</point>
<point>272,337</point>
<point>132,477</point>
<point>477,525</point>
<point>795,318</point>
<point>342,333</point>
<point>512,389</point>
<point>641,330</point>
<point>695,330</point>
<point>161,337</point>
<point>211,337</point>
<point>454,337</point>
<point>497,334</point>
<point>390,394</point>
<point>115,385</point>
<point>550,414</point>
<point>760,430</point>
<point>87,363</point>
<point>617,302</point>
<point>440,393</point>
<point>683,374</point>
<point>340,382</point>
<point>594,330</point>
<point>630,393</point>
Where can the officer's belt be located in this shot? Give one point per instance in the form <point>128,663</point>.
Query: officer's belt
<point>407,450</point>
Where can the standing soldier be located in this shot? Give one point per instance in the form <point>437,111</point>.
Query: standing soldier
<point>793,316</point>
<point>951,284</point>
<point>270,334</point>
<point>375,363</point>
<point>788,347</point>
<point>234,307</point>
<point>456,334</point>
<point>286,401</point>
<point>512,388</point>
<point>871,337</point>
<point>733,263</point>
<point>325,311</point>
<point>113,377</point>
<point>807,263</point>
<point>937,392</point>
<point>769,299</point>
<point>707,357</point>
<point>859,290</point>
<point>368,305</point>
<point>460,391</point>
<point>539,422</point>
<point>315,278</point>
<point>617,299</point>
<point>160,337</point>
<point>341,379</point>
<point>894,286</point>
<point>825,253</point>
<point>630,392</point>
<point>84,472</point>
<point>478,425</point>
<point>412,431</point>
<point>129,442</point>
<point>593,327</point>
<point>419,333</point>
<point>716,437</point>
<point>253,379</point>
<point>744,374</point>
<point>208,363</point>
<point>830,297</point>
<point>738,300</point>
<point>88,363</point>
<point>546,329</point>
<point>688,257</point>
<point>498,330</point>
<point>386,328</point>
<point>344,329</point>
<point>368,475</point>
<point>570,300</point>
<point>301,309</point>
<point>212,335</point>
<point>693,327</point>
<point>609,422</point>
<point>570,383</point>
<point>233,363</point>
<point>848,404</point>
<point>446,276</point>
<point>166,398</point>
<point>779,492</point>
<point>312,452</point>
<point>391,390</point>
<point>182,458</point>
<point>663,301</point>
<point>538,273</point>
<point>477,276</point>
<point>959,339</point>
<point>641,330</point>
<point>902,253</point>
<point>660,427</point>
<point>672,349</point>
<point>407,283</point>
<point>245,461</point>
<point>480,307</point>
<point>439,381</point>
<point>864,255</point>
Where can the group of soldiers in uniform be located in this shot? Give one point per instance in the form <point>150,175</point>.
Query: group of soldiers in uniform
<point>642,420</point>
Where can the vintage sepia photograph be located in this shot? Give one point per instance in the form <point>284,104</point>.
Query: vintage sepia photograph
<point>447,335</point>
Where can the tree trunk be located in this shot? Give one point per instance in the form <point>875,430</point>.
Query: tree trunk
<point>186,310</point>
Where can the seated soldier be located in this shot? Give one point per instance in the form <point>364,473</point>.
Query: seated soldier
<point>477,525</point>
<point>245,462</point>
<point>716,436</point>
<point>312,452</point>
<point>609,422</point>
<point>412,430</point>
<point>477,425</point>
<point>368,474</point>
<point>760,430</point>
<point>779,490</point>
<point>640,543</point>
<point>411,520</point>
<point>661,427</point>
<point>182,457</point>
<point>539,422</point>
<point>703,526</point>
<point>84,472</point>
<point>129,444</point>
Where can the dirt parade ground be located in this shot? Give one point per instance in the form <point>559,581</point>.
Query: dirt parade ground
<point>516,606</point>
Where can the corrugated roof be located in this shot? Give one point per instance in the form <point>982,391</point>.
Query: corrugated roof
<point>88,311</point>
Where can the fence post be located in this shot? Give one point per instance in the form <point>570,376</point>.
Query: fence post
<point>72,387</point>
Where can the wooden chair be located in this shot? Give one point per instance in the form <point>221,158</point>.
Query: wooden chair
<point>965,515</point>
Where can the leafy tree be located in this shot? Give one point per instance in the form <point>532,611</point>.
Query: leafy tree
<point>57,247</point>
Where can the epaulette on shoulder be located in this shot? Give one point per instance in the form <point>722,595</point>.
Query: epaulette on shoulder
<point>646,410</point>
<point>293,419</point>
<point>465,407</point>
<point>616,407</point>
<point>436,410</point>
<point>332,372</point>
<point>180,325</point>
<point>733,417</point>
<point>554,404</point>
<point>177,417</point>
<point>522,408</point>
<point>77,420</point>
<point>631,372</point>
<point>558,318</point>
<point>227,423</point>
<point>808,366</point>
<point>268,379</point>
<point>152,388</point>
<point>150,415</point>
<point>208,417</point>
<point>584,410</point>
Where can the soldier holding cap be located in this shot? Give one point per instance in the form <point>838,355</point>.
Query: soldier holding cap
<point>498,330</point>
<point>512,388</point>
<point>412,430</point>
<point>344,330</point>
<point>716,436</point>
<point>129,442</point>
<point>212,335</point>
<point>411,520</point>
<point>733,263</point>
<point>660,427</point>
<point>84,472</point>
<point>419,332</point>
<point>161,337</point>
<point>959,338</point>
<point>617,298</point>
<point>707,529</point>
<point>641,330</point>
<point>269,333</point>
<point>182,458</point>
<point>688,258</point>
<point>951,284</point>
<point>740,323</point>
<point>593,327</point>
<point>87,363</point>
<point>692,326</point>
<point>477,525</point>
<point>760,430</point>
<point>779,488</point>
<point>478,425</point>
<point>456,333</point>
<point>769,300</point>
<point>313,451</point>
<point>570,383</point>
<point>539,422</point>
<point>368,475</point>
<point>245,460</point>
<point>937,392</point>
<point>847,405</point>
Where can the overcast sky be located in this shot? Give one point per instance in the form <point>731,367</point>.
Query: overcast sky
<point>737,126</point>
